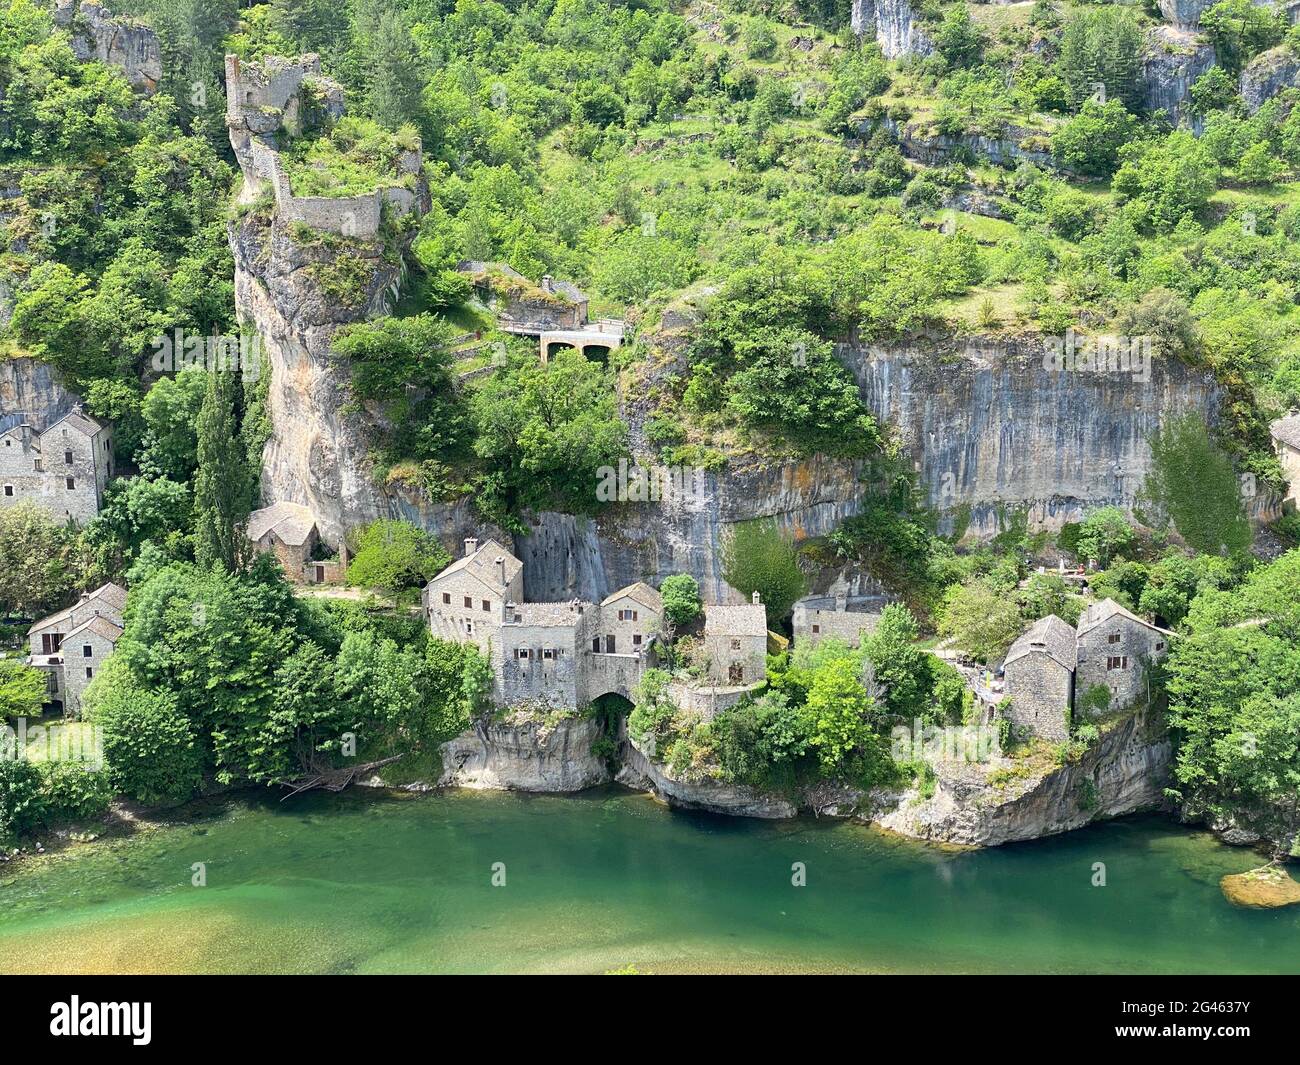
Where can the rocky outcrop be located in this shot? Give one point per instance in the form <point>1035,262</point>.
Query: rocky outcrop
<point>917,140</point>
<point>129,45</point>
<point>1267,75</point>
<point>31,392</point>
<point>1125,771</point>
<point>893,26</point>
<point>526,757</point>
<point>991,430</point>
<point>642,773</point>
<point>1185,14</point>
<point>1172,60</point>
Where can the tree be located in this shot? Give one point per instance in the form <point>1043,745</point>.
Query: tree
<point>1193,485</point>
<point>1102,46</point>
<point>1090,141</point>
<point>1105,534</point>
<point>898,666</point>
<point>149,743</point>
<point>980,619</point>
<point>36,559</point>
<point>22,808</point>
<point>223,486</point>
<point>395,555</point>
<point>681,598</point>
<point>1166,179</point>
<point>958,39</point>
<point>757,558</point>
<point>1240,30</point>
<point>838,717</point>
<point>170,410</point>
<point>22,689</point>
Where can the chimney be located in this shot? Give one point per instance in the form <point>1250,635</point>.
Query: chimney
<point>757,600</point>
<point>501,570</point>
<point>471,545</point>
<point>841,601</point>
<point>546,282</point>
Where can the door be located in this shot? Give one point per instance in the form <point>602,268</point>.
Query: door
<point>320,574</point>
<point>609,644</point>
<point>736,673</point>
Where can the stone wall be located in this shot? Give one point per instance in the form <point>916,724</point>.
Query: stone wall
<point>1041,692</point>
<point>1136,643</point>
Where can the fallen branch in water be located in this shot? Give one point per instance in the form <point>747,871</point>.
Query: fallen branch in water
<point>334,779</point>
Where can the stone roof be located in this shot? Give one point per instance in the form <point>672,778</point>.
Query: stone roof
<point>547,615</point>
<point>567,289</point>
<point>111,595</point>
<point>747,619</point>
<point>642,593</point>
<point>1050,636</point>
<point>1097,613</point>
<point>1287,430</point>
<point>100,626</point>
<point>482,564</point>
<point>291,522</point>
<point>80,422</point>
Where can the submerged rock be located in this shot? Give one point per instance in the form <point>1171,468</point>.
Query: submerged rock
<point>1265,888</point>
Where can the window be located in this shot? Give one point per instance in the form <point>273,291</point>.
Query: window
<point>51,683</point>
<point>636,640</point>
<point>523,652</point>
<point>548,653</point>
<point>609,644</point>
<point>487,604</point>
<point>87,651</point>
<point>72,483</point>
<point>469,602</point>
<point>1113,638</point>
<point>1117,662</point>
<point>469,628</point>
<point>67,458</point>
<point>38,465</point>
<point>627,615</point>
<point>51,642</point>
<point>1160,645</point>
<point>446,598</point>
<point>9,490</point>
<point>735,645</point>
<point>816,629</point>
<point>89,673</point>
<point>595,644</point>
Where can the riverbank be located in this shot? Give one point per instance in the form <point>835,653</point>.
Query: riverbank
<point>462,881</point>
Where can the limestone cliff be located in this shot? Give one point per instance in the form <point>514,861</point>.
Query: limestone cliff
<point>1172,59</point>
<point>30,392</point>
<point>130,46</point>
<point>990,428</point>
<point>638,771</point>
<point>1267,75</point>
<point>893,25</point>
<point>1125,771</point>
<point>525,757</point>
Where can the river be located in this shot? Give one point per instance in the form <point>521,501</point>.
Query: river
<point>366,882</point>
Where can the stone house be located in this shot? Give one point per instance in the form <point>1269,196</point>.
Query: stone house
<point>1286,438</point>
<point>841,616</point>
<point>1050,670</point>
<point>72,645</point>
<point>735,640</point>
<point>289,531</point>
<point>1039,670</point>
<point>1115,647</point>
<point>566,653</point>
<point>64,468</point>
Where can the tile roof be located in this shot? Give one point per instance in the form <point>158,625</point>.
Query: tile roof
<point>76,420</point>
<point>1097,613</point>
<point>642,593</point>
<point>291,522</point>
<point>100,626</point>
<point>482,564</point>
<point>1050,636</point>
<point>111,595</point>
<point>1287,430</point>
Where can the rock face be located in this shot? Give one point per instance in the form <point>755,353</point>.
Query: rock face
<point>1124,772</point>
<point>1267,75</point>
<point>892,25</point>
<point>1016,145</point>
<point>1185,14</point>
<point>528,757</point>
<point>130,46</point>
<point>30,392</point>
<point>989,428</point>
<point>640,772</point>
<point>1171,62</point>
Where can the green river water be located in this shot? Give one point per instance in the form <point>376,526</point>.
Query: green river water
<point>379,883</point>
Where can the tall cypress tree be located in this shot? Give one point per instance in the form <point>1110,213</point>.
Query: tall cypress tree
<point>223,485</point>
